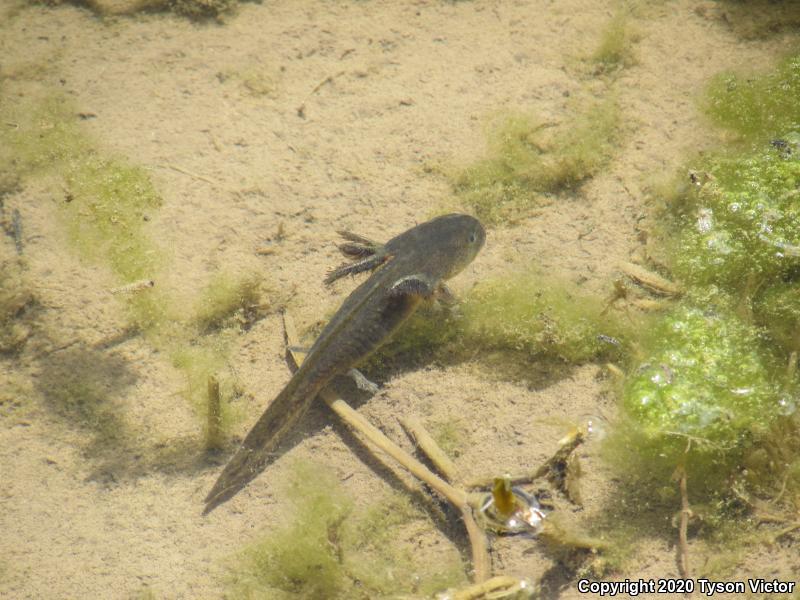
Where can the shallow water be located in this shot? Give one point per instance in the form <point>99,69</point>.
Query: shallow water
<point>263,135</point>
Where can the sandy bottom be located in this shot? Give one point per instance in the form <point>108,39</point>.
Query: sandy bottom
<point>214,112</point>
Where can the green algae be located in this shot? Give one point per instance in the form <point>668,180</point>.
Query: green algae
<point>540,315</point>
<point>737,240</point>
<point>615,47</point>
<point>528,159</point>
<point>17,307</point>
<point>714,390</point>
<point>506,321</point>
<point>452,436</point>
<point>709,393</point>
<point>704,379</point>
<point>105,201</point>
<point>330,547</point>
<point>106,205</point>
<point>39,135</point>
<point>300,560</point>
<point>756,107</point>
<point>646,462</point>
<point>200,359</point>
<point>773,465</point>
<point>777,308</point>
<point>225,300</point>
<point>739,222</point>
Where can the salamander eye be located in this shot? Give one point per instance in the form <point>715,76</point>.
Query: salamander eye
<point>473,238</point>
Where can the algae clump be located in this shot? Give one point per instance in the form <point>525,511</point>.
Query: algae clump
<point>332,548</point>
<point>539,315</point>
<point>739,222</point>
<point>778,310</point>
<point>200,359</point>
<point>17,307</point>
<point>522,314</point>
<point>614,49</point>
<point>705,398</point>
<point>757,107</point>
<point>228,301</point>
<point>106,201</point>
<point>713,393</point>
<point>107,204</point>
<point>527,159</point>
<point>704,379</point>
<point>45,134</point>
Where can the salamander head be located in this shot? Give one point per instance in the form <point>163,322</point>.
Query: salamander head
<point>450,242</point>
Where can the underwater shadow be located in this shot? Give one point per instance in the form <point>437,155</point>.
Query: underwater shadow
<point>82,386</point>
<point>391,363</point>
<point>647,501</point>
<point>445,517</point>
<point>555,581</point>
<point>318,417</point>
<point>757,19</point>
<point>129,461</point>
<point>534,372</point>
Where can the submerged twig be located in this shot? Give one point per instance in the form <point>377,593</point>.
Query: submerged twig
<point>214,431</point>
<point>502,586</point>
<point>16,230</point>
<point>458,497</point>
<point>554,464</point>
<point>189,173</point>
<point>428,445</point>
<point>650,280</point>
<point>479,545</point>
<point>686,513</point>
<point>301,110</point>
<point>132,288</point>
<point>481,561</point>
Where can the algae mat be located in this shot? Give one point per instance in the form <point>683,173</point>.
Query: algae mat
<point>262,135</point>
